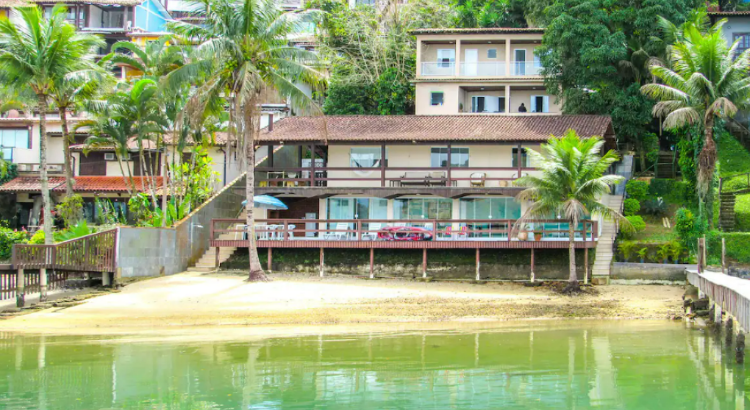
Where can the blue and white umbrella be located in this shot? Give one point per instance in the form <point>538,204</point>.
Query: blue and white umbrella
<point>266,202</point>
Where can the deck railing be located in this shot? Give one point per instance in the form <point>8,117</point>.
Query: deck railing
<point>90,253</point>
<point>394,229</point>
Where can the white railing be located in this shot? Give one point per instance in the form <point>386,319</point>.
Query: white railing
<point>439,69</point>
<point>484,69</point>
<point>526,68</point>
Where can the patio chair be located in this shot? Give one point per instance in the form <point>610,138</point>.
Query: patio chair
<point>477,179</point>
<point>338,234</point>
<point>372,232</point>
<point>262,233</point>
<point>243,228</point>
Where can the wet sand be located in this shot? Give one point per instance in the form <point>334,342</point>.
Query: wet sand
<point>210,305</point>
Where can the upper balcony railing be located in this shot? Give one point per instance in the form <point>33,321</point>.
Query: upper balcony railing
<point>482,69</point>
<point>439,69</point>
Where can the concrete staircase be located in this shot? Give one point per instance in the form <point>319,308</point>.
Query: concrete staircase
<point>726,211</point>
<point>207,262</point>
<point>604,254</point>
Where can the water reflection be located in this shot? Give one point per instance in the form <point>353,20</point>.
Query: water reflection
<point>663,366</point>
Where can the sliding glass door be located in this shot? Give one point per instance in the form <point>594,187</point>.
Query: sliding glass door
<point>489,209</point>
<point>357,208</point>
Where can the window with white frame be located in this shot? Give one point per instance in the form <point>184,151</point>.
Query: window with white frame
<point>365,157</point>
<point>436,98</point>
<point>459,157</point>
<point>492,53</point>
<point>11,138</point>
<point>446,57</point>
<point>524,158</point>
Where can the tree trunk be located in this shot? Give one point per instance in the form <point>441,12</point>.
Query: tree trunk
<point>707,165</point>
<point>641,156</point>
<point>573,278</point>
<point>46,201</point>
<point>164,193</point>
<point>122,171</point>
<point>252,128</point>
<point>66,152</point>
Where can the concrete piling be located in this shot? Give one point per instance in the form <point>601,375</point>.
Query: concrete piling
<point>740,348</point>
<point>20,289</point>
<point>730,332</point>
<point>42,285</point>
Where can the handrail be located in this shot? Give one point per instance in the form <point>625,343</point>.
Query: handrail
<point>438,227</point>
<point>90,253</point>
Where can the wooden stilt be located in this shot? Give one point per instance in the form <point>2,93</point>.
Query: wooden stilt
<point>270,259</point>
<point>216,260</point>
<point>322,258</point>
<point>703,247</point>
<point>106,281</point>
<point>372,262</point>
<point>478,263</point>
<point>723,257</point>
<point>699,256</point>
<point>20,289</point>
<point>43,284</point>
<point>424,262</point>
<point>532,266</point>
<point>585,264</point>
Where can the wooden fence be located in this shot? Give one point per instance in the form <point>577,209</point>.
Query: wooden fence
<point>55,280</point>
<point>90,253</point>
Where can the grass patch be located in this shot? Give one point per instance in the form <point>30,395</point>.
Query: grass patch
<point>655,231</point>
<point>733,157</point>
<point>742,212</point>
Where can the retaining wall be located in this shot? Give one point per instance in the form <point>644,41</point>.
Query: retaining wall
<point>166,251</point>
<point>650,271</point>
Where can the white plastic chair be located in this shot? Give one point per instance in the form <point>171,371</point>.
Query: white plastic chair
<point>372,232</point>
<point>338,234</point>
<point>241,227</point>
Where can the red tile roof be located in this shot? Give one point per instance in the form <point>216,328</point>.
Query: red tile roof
<point>489,30</point>
<point>436,128</point>
<point>82,184</point>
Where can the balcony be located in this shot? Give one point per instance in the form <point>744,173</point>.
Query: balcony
<point>482,69</point>
<point>489,69</point>
<point>401,233</point>
<point>33,168</point>
<point>439,69</point>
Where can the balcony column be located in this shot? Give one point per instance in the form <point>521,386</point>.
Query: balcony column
<point>458,58</point>
<point>519,157</point>
<point>508,61</point>
<point>419,57</point>
<point>507,99</point>
<point>448,179</point>
<point>382,165</point>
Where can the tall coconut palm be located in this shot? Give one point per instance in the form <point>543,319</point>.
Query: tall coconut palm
<point>571,185</point>
<point>34,53</point>
<point>156,59</point>
<point>242,49</point>
<point>69,92</point>
<point>707,80</point>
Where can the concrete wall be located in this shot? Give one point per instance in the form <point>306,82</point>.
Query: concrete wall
<point>649,271</point>
<point>155,251</point>
<point>735,25</point>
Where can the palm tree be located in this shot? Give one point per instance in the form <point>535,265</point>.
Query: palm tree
<point>69,92</point>
<point>707,81</point>
<point>156,59</point>
<point>242,49</point>
<point>571,185</point>
<point>34,53</point>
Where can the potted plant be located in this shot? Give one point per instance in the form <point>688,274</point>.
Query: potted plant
<point>676,251</point>
<point>664,252</point>
<point>642,254</point>
<point>523,234</point>
<point>538,235</point>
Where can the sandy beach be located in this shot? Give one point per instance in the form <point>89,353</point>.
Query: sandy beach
<point>202,303</point>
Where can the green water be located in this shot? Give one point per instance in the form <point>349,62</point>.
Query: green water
<point>579,365</point>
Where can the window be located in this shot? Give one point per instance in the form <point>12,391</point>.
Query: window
<point>109,156</point>
<point>11,138</point>
<point>446,57</point>
<point>436,98</point>
<point>365,157</point>
<point>477,104</point>
<point>744,42</point>
<point>501,104</point>
<point>418,208</point>
<point>487,104</point>
<point>524,158</point>
<point>459,157</point>
<point>492,53</point>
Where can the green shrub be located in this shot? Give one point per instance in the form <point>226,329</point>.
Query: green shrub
<point>737,246</point>
<point>660,187</point>
<point>664,252</point>
<point>637,225</point>
<point>733,158</point>
<point>684,224</point>
<point>9,237</point>
<point>643,254</point>
<point>627,249</point>
<point>742,213</point>
<point>655,207</point>
<point>77,231</point>
<point>675,192</point>
<point>734,184</point>
<point>637,190</point>
<point>71,209</point>
<point>37,238</point>
<point>631,206</point>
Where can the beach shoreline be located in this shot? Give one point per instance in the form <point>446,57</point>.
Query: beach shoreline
<point>197,306</point>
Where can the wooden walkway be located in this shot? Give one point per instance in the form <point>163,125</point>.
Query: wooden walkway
<point>732,293</point>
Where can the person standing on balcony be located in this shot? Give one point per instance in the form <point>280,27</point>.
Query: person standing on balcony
<point>522,108</point>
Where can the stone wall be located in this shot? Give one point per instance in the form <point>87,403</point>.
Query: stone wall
<point>650,271</point>
<point>166,251</point>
